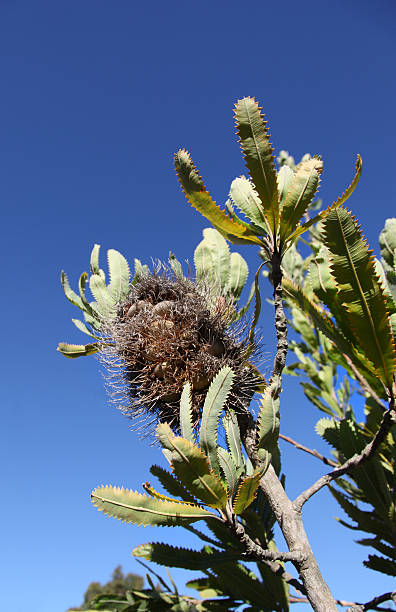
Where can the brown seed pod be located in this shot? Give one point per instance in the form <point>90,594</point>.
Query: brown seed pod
<point>169,331</point>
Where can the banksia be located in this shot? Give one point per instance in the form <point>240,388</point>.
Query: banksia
<point>169,331</point>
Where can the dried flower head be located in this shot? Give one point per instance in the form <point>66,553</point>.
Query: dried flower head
<point>170,330</point>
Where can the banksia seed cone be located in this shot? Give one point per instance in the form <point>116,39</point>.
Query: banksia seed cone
<point>168,331</point>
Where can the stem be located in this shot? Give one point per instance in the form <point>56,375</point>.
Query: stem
<point>388,419</point>
<point>363,382</point>
<point>287,516</point>
<point>311,451</point>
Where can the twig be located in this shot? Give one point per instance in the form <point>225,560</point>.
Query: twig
<point>355,606</point>
<point>255,552</point>
<point>373,603</point>
<point>311,451</point>
<point>388,419</point>
<point>363,382</point>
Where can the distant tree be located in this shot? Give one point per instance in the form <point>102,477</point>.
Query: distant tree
<point>119,584</point>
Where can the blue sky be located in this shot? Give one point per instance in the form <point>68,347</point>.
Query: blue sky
<point>96,97</point>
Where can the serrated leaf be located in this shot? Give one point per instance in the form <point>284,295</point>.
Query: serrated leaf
<point>83,328</point>
<point>215,400</point>
<point>257,310</point>
<point>322,321</point>
<point>119,275</point>
<point>247,492</point>
<point>228,468</point>
<point>380,564</point>
<point>245,198</point>
<point>196,193</point>
<point>155,494</point>
<point>69,293</point>
<point>259,156</point>
<point>230,424</point>
<point>268,420</point>
<point>239,272</point>
<point>77,350</point>
<point>341,200</point>
<point>212,258</point>
<point>352,267</point>
<point>300,193</point>
<point>285,175</point>
<point>192,468</point>
<point>172,556</point>
<point>94,264</point>
<point>171,484</point>
<point>186,425</point>
<point>132,507</point>
<point>105,303</point>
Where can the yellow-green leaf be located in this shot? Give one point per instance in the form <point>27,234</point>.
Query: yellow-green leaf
<point>198,196</point>
<point>247,492</point>
<point>77,350</point>
<point>341,200</point>
<point>132,507</point>
<point>191,466</point>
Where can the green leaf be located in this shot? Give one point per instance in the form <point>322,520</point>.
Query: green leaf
<point>192,468</point>
<point>285,176</point>
<point>172,556</point>
<point>268,420</point>
<point>141,271</point>
<point>215,400</point>
<point>171,484</point>
<point>387,241</point>
<point>300,193</point>
<point>257,309</point>
<point>119,276</point>
<point>228,468</point>
<point>77,350</point>
<point>196,193</point>
<point>212,258</point>
<point>105,303</point>
<point>245,198</point>
<point>380,564</point>
<point>175,265</point>
<point>132,507</point>
<point>353,268</point>
<point>247,492</point>
<point>69,293</point>
<point>94,264</point>
<point>239,272</point>
<point>83,328</point>
<point>259,156</point>
<point>341,200</point>
<point>186,425</point>
<point>322,321</point>
<point>230,424</point>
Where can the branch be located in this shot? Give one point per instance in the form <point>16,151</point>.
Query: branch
<point>255,552</point>
<point>363,382</point>
<point>311,451</point>
<point>373,603</point>
<point>355,606</point>
<point>388,419</point>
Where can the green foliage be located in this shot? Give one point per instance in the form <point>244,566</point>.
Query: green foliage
<point>348,306</point>
<point>359,291</point>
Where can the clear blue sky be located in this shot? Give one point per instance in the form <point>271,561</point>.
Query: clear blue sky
<point>96,97</point>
